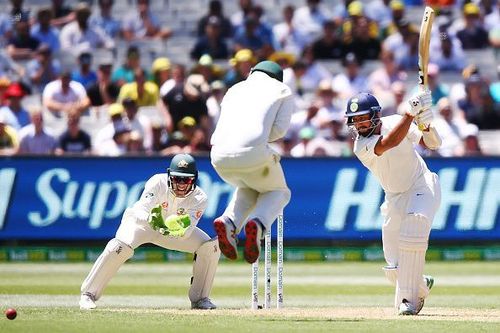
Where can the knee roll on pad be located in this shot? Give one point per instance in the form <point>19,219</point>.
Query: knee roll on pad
<point>114,255</point>
<point>204,267</point>
<point>414,232</point>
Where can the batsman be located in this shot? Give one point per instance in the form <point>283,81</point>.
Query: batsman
<point>385,145</point>
<point>166,215</point>
<point>254,113</point>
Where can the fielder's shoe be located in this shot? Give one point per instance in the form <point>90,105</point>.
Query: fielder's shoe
<point>253,232</point>
<point>406,308</point>
<point>226,233</point>
<point>429,281</point>
<point>87,302</point>
<point>203,304</point>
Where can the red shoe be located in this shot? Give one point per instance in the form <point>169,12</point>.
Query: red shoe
<point>253,232</point>
<point>226,233</point>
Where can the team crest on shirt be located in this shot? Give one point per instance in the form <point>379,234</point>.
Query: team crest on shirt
<point>181,211</point>
<point>198,214</point>
<point>183,164</point>
<point>164,205</point>
<point>149,195</point>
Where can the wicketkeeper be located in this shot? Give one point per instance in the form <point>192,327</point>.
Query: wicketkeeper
<point>166,215</point>
<point>254,112</point>
<point>412,192</point>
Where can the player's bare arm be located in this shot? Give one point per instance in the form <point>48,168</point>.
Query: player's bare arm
<point>395,136</point>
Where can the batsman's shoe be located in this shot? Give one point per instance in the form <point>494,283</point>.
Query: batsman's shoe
<point>253,232</point>
<point>203,304</point>
<point>429,281</point>
<point>226,233</point>
<point>87,302</point>
<point>406,309</point>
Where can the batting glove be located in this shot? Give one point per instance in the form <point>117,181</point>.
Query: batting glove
<point>424,119</point>
<point>419,102</point>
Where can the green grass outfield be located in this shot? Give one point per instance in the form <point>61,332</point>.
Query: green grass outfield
<point>319,297</point>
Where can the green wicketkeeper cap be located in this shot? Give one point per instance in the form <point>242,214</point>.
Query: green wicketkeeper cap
<point>270,68</point>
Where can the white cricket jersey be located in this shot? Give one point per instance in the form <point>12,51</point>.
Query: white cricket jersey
<point>398,168</point>
<point>156,192</point>
<point>253,112</point>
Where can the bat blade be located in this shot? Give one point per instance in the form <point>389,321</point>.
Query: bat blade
<point>423,46</point>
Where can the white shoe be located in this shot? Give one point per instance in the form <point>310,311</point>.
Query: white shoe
<point>406,309</point>
<point>87,302</point>
<point>226,234</point>
<point>429,281</point>
<point>203,304</point>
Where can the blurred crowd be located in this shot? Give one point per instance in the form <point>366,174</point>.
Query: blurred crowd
<point>101,105</point>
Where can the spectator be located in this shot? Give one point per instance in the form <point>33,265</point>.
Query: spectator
<point>215,10</point>
<point>473,35</point>
<point>125,73</point>
<point>74,140</point>
<point>471,141</point>
<point>478,104</point>
<point>17,12</point>
<point>34,139</point>
<point>177,79</point>
<point>286,61</point>
<point>380,80</point>
<point>118,144</point>
<point>62,14</point>
<point>314,73</point>
<point>22,45</point>
<point>304,118</point>
<point>189,100</point>
<point>78,36</point>
<point>495,87</point>
<point>217,91</point>
<point>309,19</point>
<point>185,140</point>
<point>212,42</point>
<point>84,74</point>
<point>208,69</point>
<point>329,45</point>
<point>135,145</point>
<point>360,34</point>
<point>242,63</point>
<point>8,138</point>
<point>62,95</point>
<point>450,129</point>
<point>44,32</point>
<point>382,12</point>
<point>5,29</point>
<point>4,84</point>
<point>252,36</point>
<point>104,20</point>
<point>42,69</point>
<point>438,89</point>
<point>138,123</point>
<point>116,114</point>
<point>310,144</point>
<point>287,37</point>
<point>14,113</point>
<point>237,18</point>
<point>352,81</point>
<point>144,92</point>
<point>449,55</point>
<point>143,24</point>
<point>161,71</point>
<point>326,95</point>
<point>104,91</point>
<point>398,90</point>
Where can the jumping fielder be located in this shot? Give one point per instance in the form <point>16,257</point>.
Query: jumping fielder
<point>166,215</point>
<point>412,192</point>
<point>254,112</point>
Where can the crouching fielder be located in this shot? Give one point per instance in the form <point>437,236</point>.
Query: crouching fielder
<point>412,193</point>
<point>166,215</point>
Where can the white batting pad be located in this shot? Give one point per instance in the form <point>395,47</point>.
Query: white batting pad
<point>105,267</point>
<point>414,237</point>
<point>204,268</point>
<point>391,273</point>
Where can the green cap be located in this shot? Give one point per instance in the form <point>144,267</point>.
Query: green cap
<point>270,68</point>
<point>183,165</point>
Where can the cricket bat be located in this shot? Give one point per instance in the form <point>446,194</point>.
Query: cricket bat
<point>423,49</point>
<point>423,46</point>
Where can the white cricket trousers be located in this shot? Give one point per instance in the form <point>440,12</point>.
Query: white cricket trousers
<point>423,198</point>
<point>261,190</point>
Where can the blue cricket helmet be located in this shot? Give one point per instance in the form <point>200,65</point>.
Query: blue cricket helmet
<point>360,104</point>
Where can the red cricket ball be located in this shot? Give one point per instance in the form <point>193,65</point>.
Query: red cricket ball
<point>11,314</point>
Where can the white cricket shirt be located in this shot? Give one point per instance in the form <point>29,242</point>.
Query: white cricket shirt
<point>398,168</point>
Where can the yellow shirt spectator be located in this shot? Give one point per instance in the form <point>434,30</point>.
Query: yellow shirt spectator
<point>148,97</point>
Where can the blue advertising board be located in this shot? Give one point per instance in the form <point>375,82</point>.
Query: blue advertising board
<point>335,199</point>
